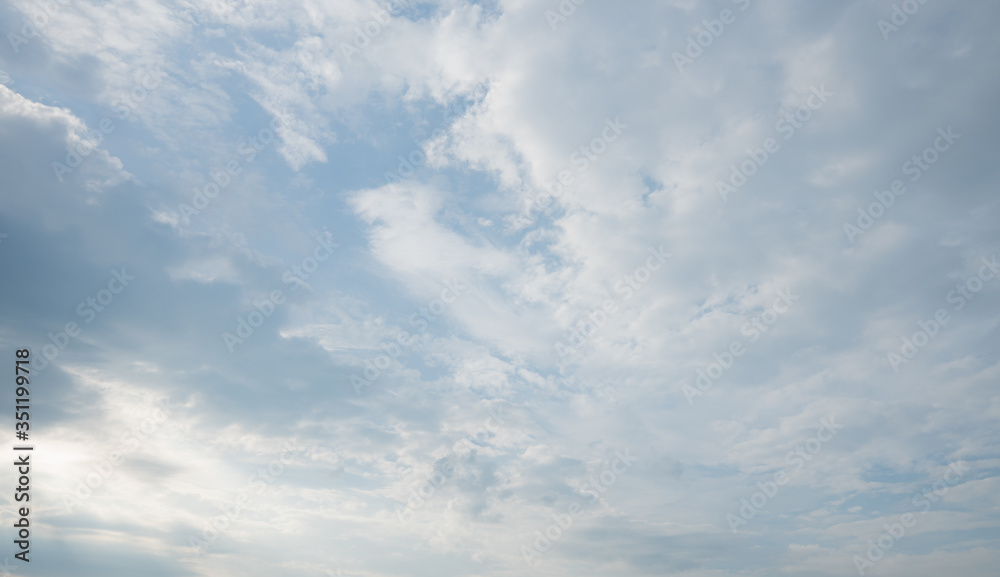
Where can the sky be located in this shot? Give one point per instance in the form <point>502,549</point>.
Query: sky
<point>502,287</point>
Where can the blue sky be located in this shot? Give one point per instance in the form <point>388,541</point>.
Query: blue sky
<point>501,288</point>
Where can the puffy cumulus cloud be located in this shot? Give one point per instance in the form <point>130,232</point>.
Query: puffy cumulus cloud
<point>696,265</point>
<point>70,158</point>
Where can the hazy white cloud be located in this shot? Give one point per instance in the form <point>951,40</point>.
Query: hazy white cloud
<point>714,364</point>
